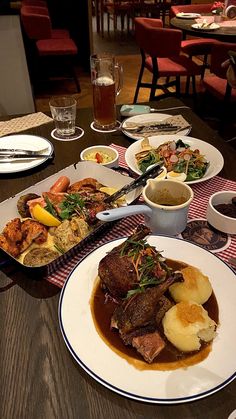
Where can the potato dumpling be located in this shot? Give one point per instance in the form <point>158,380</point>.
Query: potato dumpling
<point>186,324</point>
<point>196,287</point>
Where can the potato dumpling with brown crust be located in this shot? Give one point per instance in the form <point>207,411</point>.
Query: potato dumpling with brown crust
<point>195,287</point>
<point>187,324</point>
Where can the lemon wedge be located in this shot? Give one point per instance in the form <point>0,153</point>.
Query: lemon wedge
<point>44,217</point>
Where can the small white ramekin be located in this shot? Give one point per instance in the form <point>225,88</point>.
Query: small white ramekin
<point>215,218</point>
<point>105,149</point>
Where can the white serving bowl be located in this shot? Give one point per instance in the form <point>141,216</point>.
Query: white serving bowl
<point>216,219</point>
<point>107,150</point>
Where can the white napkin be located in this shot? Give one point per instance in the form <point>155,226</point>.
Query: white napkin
<point>23,123</point>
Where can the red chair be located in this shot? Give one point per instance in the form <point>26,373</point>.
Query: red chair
<point>160,51</point>
<point>204,8</point>
<point>48,43</point>
<point>199,46</point>
<point>216,83</point>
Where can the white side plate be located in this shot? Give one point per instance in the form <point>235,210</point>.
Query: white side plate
<point>26,142</point>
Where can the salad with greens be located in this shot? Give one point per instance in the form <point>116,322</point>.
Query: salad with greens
<point>176,156</point>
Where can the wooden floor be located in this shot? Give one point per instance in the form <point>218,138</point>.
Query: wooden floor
<point>126,51</point>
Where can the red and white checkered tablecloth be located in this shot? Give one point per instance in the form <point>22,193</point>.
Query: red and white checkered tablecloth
<point>125,227</point>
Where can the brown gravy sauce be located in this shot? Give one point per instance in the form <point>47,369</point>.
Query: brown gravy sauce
<point>170,358</point>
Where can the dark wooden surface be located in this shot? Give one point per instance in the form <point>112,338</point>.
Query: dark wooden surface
<point>226,34</point>
<point>38,377</point>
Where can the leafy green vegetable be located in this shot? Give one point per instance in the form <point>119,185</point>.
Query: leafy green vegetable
<point>196,173</point>
<point>73,203</point>
<point>151,158</point>
<point>181,144</point>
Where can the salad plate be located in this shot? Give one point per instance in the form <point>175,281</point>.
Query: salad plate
<point>147,119</point>
<point>26,142</point>
<point>211,154</point>
<point>112,370</point>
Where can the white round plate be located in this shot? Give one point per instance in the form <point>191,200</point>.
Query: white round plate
<point>198,26</point>
<point>26,142</point>
<point>211,153</point>
<point>114,372</point>
<point>147,118</point>
<point>183,15</point>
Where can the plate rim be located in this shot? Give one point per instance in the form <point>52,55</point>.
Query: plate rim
<point>186,138</point>
<point>37,162</point>
<point>96,377</point>
<point>133,137</point>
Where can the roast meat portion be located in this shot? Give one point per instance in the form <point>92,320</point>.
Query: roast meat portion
<point>116,270</point>
<point>142,308</point>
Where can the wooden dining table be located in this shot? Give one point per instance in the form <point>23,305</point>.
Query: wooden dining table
<point>223,33</point>
<point>39,379</point>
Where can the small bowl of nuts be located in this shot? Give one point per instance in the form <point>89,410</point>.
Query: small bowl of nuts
<point>221,211</point>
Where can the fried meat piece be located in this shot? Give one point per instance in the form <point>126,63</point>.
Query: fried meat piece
<point>32,231</point>
<point>10,247</point>
<point>87,184</point>
<point>12,230</point>
<point>11,237</point>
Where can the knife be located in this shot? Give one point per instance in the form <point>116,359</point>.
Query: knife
<point>142,129</point>
<point>4,151</point>
<point>154,171</point>
<point>4,158</point>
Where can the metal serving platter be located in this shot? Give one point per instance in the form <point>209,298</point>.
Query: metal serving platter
<point>75,172</point>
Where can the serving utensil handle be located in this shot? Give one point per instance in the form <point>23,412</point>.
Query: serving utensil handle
<point>154,171</point>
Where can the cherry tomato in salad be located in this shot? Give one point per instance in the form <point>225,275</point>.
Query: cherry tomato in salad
<point>99,158</point>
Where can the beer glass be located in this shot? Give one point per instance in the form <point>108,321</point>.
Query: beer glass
<point>106,77</point>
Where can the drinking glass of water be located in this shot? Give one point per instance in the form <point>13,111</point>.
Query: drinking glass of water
<point>63,110</point>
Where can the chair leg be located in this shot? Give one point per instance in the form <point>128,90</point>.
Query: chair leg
<point>76,81</point>
<point>194,86</point>
<point>227,93</point>
<point>138,83</point>
<point>178,86</point>
<point>204,66</point>
<point>153,87</point>
<point>187,85</point>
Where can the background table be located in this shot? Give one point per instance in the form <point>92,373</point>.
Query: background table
<point>39,378</point>
<point>226,34</point>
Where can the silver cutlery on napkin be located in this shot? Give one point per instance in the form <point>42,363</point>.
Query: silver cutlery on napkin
<point>155,127</point>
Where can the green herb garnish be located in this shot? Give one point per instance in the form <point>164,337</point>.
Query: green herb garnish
<point>49,207</point>
<point>73,203</point>
<point>59,249</point>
